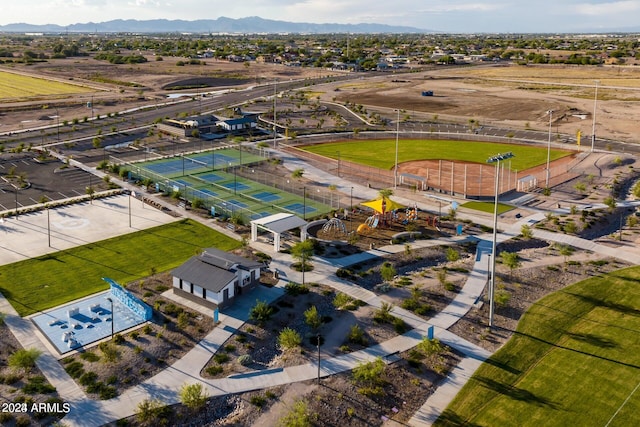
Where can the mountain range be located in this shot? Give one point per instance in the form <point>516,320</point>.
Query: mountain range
<point>249,25</point>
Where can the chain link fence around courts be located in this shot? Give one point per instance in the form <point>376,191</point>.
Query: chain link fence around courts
<point>224,201</point>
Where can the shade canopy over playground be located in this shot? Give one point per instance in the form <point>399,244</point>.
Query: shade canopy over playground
<point>382,205</point>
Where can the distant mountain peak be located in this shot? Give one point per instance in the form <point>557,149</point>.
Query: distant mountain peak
<point>248,25</point>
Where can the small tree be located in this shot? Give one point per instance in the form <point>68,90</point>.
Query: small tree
<point>297,417</point>
<point>261,312</point>
<point>387,271</point>
<point>289,338</point>
<point>526,231</point>
<point>24,359</point>
<point>297,174</point>
<point>452,255</point>
<point>511,260</point>
<point>302,251</point>
<point>610,202</point>
<point>313,318</point>
<point>193,396</point>
<point>442,276</point>
<point>566,251</point>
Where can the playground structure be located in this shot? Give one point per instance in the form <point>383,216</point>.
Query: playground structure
<point>334,225</point>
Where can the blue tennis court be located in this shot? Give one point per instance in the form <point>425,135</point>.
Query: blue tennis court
<point>260,215</point>
<point>182,182</point>
<point>237,203</point>
<point>211,177</point>
<point>236,185</point>
<point>209,192</point>
<point>266,196</point>
<point>300,208</point>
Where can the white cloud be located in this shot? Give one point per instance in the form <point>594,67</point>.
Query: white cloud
<point>608,8</point>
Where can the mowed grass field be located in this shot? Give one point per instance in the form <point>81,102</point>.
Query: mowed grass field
<point>381,153</point>
<point>47,281</point>
<point>574,361</point>
<point>20,86</point>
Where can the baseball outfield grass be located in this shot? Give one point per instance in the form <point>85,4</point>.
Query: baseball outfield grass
<point>574,360</point>
<point>47,281</point>
<point>381,153</point>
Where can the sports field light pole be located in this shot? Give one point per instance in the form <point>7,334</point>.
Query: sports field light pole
<point>57,123</point>
<point>593,126</point>
<point>351,211</point>
<point>318,344</point>
<point>395,170</point>
<point>275,129</point>
<point>550,113</point>
<point>492,286</point>
<point>304,205</point>
<point>112,316</point>
<point>49,227</point>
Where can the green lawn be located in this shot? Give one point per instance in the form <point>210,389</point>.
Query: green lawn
<point>50,280</point>
<point>573,361</point>
<point>381,153</point>
<point>487,207</point>
<point>19,86</point>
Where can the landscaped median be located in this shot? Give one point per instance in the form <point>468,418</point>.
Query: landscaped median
<point>47,281</point>
<point>574,360</point>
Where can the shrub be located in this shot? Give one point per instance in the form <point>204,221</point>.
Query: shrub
<point>214,370</point>
<point>258,400</point>
<point>399,325</point>
<point>369,373</point>
<point>221,357</point>
<point>383,314</point>
<point>312,318</point>
<point>89,356</point>
<point>261,312</point>
<point>293,288</point>
<point>298,416</point>
<point>193,396</point>
<point>75,369</point>
<point>88,378</point>
<point>38,385</point>
<point>118,339</point>
<point>24,359</point>
<point>502,297</point>
<point>343,273</point>
<point>356,335</point>
<point>229,348</point>
<point>245,360</point>
<point>289,338</point>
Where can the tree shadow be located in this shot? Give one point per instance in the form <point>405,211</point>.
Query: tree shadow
<point>450,418</point>
<point>516,393</point>
<point>593,340</point>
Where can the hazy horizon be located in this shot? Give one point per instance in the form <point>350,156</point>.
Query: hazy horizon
<point>449,16</point>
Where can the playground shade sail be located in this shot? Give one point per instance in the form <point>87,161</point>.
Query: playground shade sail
<point>382,205</point>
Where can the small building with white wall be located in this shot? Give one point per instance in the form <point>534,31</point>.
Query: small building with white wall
<point>215,278</point>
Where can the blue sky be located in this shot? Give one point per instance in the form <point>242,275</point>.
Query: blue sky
<point>452,16</point>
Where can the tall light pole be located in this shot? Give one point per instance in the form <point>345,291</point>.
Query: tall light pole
<point>492,286</point>
<point>593,126</point>
<point>48,226</point>
<point>57,123</point>
<point>275,130</point>
<point>550,113</point>
<point>112,316</point>
<point>395,170</point>
<point>304,205</point>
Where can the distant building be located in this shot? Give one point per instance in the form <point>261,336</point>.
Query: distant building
<point>215,278</point>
